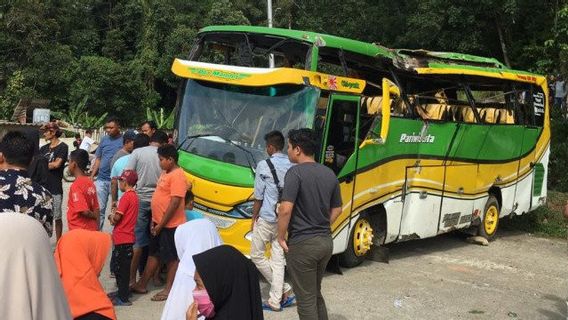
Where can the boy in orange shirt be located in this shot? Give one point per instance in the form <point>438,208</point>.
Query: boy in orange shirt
<point>167,213</point>
<point>82,205</point>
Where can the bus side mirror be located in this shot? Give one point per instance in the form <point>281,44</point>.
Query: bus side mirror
<point>389,88</point>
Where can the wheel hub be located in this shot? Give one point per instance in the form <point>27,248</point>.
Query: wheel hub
<point>490,220</point>
<point>362,237</point>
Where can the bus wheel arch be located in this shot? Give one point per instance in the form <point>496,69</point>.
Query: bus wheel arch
<point>490,219</point>
<point>496,192</point>
<point>369,228</point>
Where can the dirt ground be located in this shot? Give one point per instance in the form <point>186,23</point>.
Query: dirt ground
<point>518,276</point>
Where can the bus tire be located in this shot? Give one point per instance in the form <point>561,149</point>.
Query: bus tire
<point>490,220</point>
<point>359,245</point>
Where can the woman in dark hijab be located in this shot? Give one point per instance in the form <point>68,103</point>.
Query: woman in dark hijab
<point>226,286</point>
<point>38,168</point>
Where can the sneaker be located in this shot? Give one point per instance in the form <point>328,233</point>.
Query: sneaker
<point>119,303</point>
<point>288,302</point>
<point>266,306</point>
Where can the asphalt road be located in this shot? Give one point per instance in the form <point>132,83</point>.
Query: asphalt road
<point>518,276</point>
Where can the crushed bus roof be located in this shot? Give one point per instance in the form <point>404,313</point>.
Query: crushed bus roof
<point>419,61</point>
<point>365,48</point>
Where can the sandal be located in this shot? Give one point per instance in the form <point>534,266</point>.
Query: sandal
<point>288,302</point>
<point>160,297</point>
<point>266,306</point>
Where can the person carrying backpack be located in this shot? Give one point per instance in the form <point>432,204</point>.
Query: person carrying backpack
<point>268,185</point>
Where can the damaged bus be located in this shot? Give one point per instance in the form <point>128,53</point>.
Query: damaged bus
<point>422,142</point>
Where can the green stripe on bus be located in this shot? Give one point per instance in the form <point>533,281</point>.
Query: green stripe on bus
<point>538,179</point>
<point>216,171</point>
<point>474,143</point>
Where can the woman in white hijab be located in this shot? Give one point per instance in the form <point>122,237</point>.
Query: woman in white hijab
<point>30,284</point>
<point>191,238</point>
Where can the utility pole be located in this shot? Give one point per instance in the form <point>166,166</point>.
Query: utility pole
<point>269,14</point>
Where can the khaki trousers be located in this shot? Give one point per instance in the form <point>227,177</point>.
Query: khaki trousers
<point>272,269</point>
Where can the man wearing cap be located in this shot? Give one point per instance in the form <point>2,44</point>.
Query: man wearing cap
<point>56,154</point>
<point>108,147</point>
<point>127,147</point>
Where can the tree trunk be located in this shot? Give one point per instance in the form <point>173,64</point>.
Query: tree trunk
<point>503,44</point>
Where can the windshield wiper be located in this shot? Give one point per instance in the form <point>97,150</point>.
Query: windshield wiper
<point>248,152</point>
<point>193,137</point>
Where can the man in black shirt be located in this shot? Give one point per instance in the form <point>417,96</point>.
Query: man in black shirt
<point>56,154</point>
<point>311,202</point>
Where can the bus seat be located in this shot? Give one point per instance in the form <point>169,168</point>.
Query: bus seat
<point>509,116</point>
<point>373,104</point>
<point>488,115</point>
<point>467,114</point>
<point>505,116</point>
<point>433,111</point>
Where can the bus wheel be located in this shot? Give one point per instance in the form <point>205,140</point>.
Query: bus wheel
<point>359,245</point>
<point>490,220</point>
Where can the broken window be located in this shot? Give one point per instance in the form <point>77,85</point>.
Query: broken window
<point>250,50</point>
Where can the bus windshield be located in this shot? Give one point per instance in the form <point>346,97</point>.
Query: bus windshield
<point>228,123</point>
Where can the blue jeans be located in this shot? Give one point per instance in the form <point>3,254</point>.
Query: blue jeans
<point>142,229</point>
<point>103,191</point>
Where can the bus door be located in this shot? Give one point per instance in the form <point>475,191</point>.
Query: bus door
<point>340,151</point>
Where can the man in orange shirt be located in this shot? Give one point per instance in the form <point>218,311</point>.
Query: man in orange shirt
<point>167,213</point>
<point>82,205</point>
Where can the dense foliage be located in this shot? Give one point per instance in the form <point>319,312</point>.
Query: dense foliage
<point>93,57</point>
<point>117,54</point>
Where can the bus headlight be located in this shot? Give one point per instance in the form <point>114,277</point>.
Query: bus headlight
<point>245,209</point>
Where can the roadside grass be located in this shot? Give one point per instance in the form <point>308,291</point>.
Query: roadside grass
<point>545,221</point>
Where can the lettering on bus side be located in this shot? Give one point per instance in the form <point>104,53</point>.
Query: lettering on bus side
<point>538,103</point>
<point>416,138</point>
<point>350,85</point>
<point>219,74</point>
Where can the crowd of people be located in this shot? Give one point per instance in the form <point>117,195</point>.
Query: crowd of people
<point>154,227</point>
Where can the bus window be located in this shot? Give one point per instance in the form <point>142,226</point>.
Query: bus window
<point>250,50</point>
<point>529,103</point>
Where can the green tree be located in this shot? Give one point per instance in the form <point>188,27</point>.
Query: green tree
<point>224,13</point>
<point>15,90</point>
<point>109,86</point>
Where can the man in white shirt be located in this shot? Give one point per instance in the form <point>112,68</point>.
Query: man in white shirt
<point>87,141</point>
<point>560,91</point>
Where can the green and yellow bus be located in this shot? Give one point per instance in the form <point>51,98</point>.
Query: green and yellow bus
<point>422,142</point>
